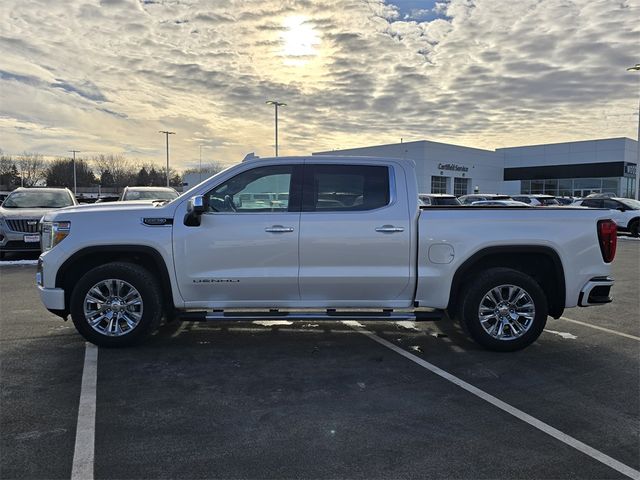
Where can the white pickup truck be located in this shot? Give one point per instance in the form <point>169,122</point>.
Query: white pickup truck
<point>321,237</point>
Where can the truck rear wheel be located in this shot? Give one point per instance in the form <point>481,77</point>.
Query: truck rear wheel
<point>504,309</point>
<point>116,305</point>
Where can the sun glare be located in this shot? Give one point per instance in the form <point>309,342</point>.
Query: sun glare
<point>299,40</point>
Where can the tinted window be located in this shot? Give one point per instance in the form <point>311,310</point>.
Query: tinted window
<point>592,203</point>
<point>345,187</point>
<point>445,201</point>
<point>611,204</point>
<point>262,189</point>
<point>522,199</point>
<point>548,201</point>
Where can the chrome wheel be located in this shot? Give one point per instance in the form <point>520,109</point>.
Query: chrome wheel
<point>113,307</point>
<point>506,312</point>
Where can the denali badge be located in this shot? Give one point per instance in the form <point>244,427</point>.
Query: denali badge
<point>215,280</point>
<point>154,221</point>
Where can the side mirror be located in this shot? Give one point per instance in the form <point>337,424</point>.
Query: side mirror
<point>196,206</point>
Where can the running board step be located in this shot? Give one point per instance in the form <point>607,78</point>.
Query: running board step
<point>330,315</point>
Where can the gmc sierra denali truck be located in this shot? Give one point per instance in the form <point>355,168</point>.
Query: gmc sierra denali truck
<point>322,237</point>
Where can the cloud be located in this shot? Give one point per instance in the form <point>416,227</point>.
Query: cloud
<point>105,77</point>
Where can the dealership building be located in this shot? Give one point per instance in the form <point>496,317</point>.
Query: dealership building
<point>606,165</point>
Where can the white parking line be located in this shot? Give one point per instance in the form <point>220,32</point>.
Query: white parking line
<point>525,417</point>
<point>85,431</point>
<point>608,330</point>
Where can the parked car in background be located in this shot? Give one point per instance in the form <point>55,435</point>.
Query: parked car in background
<point>499,203</point>
<point>148,193</point>
<point>437,199</point>
<point>21,212</point>
<point>566,200</point>
<point>537,200</point>
<point>624,211</point>
<point>478,197</point>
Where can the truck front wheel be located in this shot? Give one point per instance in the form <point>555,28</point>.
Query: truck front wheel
<point>116,305</point>
<point>504,309</point>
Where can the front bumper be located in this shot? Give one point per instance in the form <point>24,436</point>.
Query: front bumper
<point>52,298</point>
<point>596,291</point>
<point>13,241</point>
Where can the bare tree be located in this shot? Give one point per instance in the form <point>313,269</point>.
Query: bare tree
<point>209,169</point>
<point>9,176</point>
<point>116,167</point>
<point>32,168</point>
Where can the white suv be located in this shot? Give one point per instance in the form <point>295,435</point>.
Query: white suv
<point>624,211</point>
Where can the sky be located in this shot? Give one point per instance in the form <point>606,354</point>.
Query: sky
<point>105,76</point>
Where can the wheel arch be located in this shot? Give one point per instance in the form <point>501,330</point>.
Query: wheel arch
<point>540,262</point>
<point>90,257</point>
<point>632,221</point>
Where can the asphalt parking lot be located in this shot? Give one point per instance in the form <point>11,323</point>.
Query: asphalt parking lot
<point>325,400</point>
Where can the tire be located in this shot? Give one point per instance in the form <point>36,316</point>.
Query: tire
<point>503,329</point>
<point>633,228</point>
<point>124,305</point>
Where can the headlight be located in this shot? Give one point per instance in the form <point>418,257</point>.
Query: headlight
<point>52,233</point>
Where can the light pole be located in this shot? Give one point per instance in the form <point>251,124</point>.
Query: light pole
<point>74,170</point>
<point>636,68</point>
<point>276,104</point>
<point>200,169</point>
<point>167,133</point>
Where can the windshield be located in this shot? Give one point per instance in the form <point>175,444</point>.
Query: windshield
<point>38,199</point>
<point>150,195</point>
<point>631,203</point>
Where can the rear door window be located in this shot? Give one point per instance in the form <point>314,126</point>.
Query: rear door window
<point>343,188</point>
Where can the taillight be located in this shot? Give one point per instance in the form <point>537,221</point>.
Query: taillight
<point>608,238</point>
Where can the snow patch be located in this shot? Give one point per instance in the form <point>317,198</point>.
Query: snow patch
<point>408,324</point>
<point>271,323</point>
<point>18,262</point>
<point>353,323</point>
<point>570,336</point>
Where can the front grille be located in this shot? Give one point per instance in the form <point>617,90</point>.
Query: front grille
<point>24,226</point>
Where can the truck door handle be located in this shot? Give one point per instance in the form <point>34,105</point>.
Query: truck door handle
<point>278,229</point>
<point>389,229</point>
